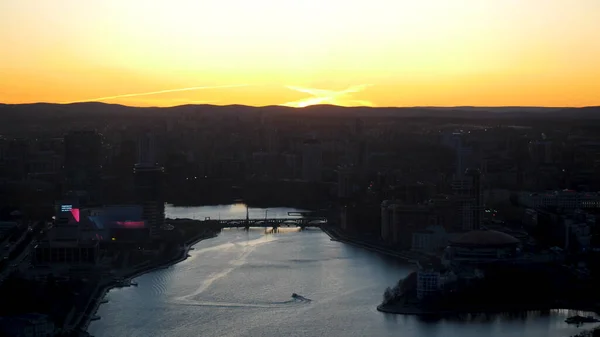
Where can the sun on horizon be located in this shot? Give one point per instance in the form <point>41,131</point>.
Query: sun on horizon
<point>301,53</point>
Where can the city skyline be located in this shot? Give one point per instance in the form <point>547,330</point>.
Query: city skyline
<point>354,53</point>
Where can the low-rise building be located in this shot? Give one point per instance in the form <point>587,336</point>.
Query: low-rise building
<point>72,253</point>
<point>432,278</point>
<point>399,222</point>
<point>64,246</point>
<point>430,240</point>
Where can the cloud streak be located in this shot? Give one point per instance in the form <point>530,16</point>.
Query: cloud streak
<point>322,96</point>
<point>106,98</point>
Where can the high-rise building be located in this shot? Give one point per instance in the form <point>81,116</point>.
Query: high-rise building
<point>83,161</point>
<point>540,151</point>
<point>466,184</point>
<point>148,181</point>
<point>469,195</point>
<point>461,189</point>
<point>360,144</point>
<point>476,196</point>
<point>147,149</point>
<point>346,181</point>
<point>312,160</point>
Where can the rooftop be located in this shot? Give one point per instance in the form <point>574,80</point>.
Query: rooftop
<point>484,238</point>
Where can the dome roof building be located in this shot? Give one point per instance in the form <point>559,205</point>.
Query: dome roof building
<point>485,238</point>
<point>481,247</point>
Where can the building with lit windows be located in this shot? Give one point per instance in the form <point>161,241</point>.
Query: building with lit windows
<point>64,244</point>
<point>119,223</point>
<point>567,200</point>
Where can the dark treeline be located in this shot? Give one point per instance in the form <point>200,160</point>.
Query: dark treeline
<point>516,288</point>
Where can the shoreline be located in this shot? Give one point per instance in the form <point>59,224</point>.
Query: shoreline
<point>415,311</point>
<point>99,295</point>
<point>335,236</point>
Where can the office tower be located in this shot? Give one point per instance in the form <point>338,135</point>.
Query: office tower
<point>476,196</point>
<point>148,182</point>
<point>83,162</point>
<point>146,153</point>
<point>312,160</point>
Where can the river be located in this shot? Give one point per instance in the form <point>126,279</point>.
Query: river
<point>240,284</point>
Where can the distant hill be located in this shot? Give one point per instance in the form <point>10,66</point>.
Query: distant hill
<point>502,109</point>
<point>41,110</point>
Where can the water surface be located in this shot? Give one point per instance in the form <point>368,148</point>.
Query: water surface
<point>240,284</point>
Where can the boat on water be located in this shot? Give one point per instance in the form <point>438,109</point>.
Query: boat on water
<point>95,318</point>
<point>581,319</point>
<point>299,297</point>
<point>104,301</point>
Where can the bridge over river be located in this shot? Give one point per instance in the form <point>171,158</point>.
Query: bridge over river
<point>294,219</point>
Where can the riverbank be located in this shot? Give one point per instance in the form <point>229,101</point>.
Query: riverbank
<point>595,332</point>
<point>414,310</point>
<point>104,287</point>
<point>461,303</point>
<point>337,235</point>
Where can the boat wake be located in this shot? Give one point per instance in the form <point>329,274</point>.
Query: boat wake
<point>246,249</point>
<point>296,299</point>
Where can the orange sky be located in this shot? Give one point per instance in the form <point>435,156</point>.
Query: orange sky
<point>301,52</point>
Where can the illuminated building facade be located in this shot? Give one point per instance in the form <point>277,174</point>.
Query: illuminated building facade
<point>121,224</point>
<point>64,244</point>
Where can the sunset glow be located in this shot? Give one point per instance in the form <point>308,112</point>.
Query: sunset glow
<point>301,52</point>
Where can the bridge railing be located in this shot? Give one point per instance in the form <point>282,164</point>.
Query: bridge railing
<point>301,222</point>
